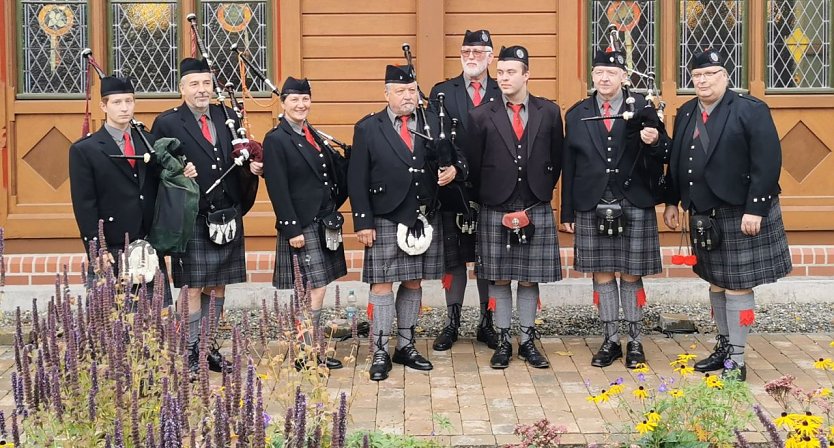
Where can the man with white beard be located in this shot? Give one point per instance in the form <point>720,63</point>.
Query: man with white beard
<point>470,89</point>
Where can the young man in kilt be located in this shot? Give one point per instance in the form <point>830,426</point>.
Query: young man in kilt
<point>597,173</point>
<point>514,150</point>
<point>304,188</point>
<point>392,183</point>
<point>725,164</point>
<point>470,89</point>
<point>206,266</point>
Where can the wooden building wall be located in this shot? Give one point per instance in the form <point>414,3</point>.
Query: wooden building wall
<point>343,47</point>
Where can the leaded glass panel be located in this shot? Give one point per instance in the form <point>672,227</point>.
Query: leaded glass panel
<point>145,44</point>
<point>242,23</point>
<point>712,24</point>
<point>799,44</point>
<point>52,37</point>
<point>636,24</point>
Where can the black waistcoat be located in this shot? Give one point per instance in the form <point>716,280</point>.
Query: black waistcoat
<point>695,193</point>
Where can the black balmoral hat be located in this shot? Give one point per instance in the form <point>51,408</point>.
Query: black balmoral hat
<point>609,59</point>
<point>477,38</point>
<point>111,85</point>
<point>707,58</point>
<point>191,65</point>
<point>299,86</point>
<point>398,74</point>
<point>514,53</point>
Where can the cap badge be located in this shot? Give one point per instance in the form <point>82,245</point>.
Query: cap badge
<point>519,52</point>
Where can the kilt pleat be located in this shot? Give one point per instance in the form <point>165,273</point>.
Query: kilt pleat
<point>636,251</point>
<point>538,261</point>
<point>205,263</point>
<point>741,261</point>
<point>385,262</point>
<point>319,266</point>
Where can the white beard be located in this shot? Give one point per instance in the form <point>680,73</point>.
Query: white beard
<point>475,73</point>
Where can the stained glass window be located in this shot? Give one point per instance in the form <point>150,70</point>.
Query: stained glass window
<point>242,23</point>
<point>712,24</point>
<point>799,44</point>
<point>145,44</point>
<point>635,22</point>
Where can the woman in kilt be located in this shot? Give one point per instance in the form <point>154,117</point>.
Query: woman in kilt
<point>724,168</point>
<point>599,160</point>
<point>306,189</point>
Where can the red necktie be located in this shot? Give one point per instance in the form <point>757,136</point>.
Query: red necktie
<point>606,112</point>
<point>476,95</point>
<point>704,116</point>
<point>310,138</point>
<point>406,136</point>
<point>129,150</point>
<point>205,129</point>
<point>518,125</point>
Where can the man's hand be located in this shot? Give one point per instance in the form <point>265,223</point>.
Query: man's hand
<point>670,216</point>
<point>568,227</point>
<point>189,171</point>
<point>297,242</point>
<point>366,237</point>
<point>649,136</point>
<point>751,225</point>
<point>257,168</point>
<point>446,175</point>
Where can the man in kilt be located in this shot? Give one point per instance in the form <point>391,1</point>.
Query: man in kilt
<point>305,189</point>
<point>514,149</point>
<point>393,182</point>
<point>601,169</point>
<point>206,266</point>
<point>470,89</point>
<point>724,168</point>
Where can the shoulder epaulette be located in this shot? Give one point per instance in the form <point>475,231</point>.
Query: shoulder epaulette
<point>574,105</point>
<point>749,97</point>
<point>366,117</point>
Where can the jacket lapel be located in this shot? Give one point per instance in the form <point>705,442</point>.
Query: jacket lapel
<point>619,129</point>
<point>303,147</point>
<point>222,142</point>
<point>193,129</point>
<point>463,101</point>
<point>140,149</point>
<point>502,123</point>
<point>593,127</point>
<point>716,123</point>
<point>109,147</point>
<point>395,142</point>
<point>534,121</point>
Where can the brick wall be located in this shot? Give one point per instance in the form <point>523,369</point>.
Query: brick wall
<point>41,269</point>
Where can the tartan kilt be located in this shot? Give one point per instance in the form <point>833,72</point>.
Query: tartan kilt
<point>636,251</point>
<point>458,248</point>
<point>741,261</point>
<point>538,261</point>
<point>205,263</point>
<point>385,262</point>
<point>319,266</point>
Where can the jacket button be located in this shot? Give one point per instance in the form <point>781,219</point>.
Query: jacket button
<point>519,179</point>
<point>692,183</point>
<point>142,197</point>
<point>110,219</point>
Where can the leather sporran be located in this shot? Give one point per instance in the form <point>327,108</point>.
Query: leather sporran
<point>222,225</point>
<point>610,220</point>
<point>705,232</point>
<point>416,239</point>
<point>330,230</point>
<point>518,227</point>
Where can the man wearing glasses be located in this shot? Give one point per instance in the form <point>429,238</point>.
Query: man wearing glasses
<point>724,169</point>
<point>470,89</point>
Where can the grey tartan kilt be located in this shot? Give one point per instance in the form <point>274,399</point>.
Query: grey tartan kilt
<point>538,261</point>
<point>636,251</point>
<point>458,249</point>
<point>385,262</point>
<point>319,266</point>
<point>205,263</point>
<point>741,261</point>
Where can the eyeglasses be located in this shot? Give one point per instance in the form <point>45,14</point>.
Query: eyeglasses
<point>476,53</point>
<point>705,75</point>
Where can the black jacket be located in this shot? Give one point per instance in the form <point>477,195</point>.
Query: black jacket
<point>108,188</point>
<point>180,123</point>
<point>490,150</point>
<point>586,170</point>
<point>299,179</point>
<point>385,178</point>
<point>458,103</point>
<point>744,158</point>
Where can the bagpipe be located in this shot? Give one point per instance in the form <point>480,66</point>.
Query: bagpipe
<point>244,148</point>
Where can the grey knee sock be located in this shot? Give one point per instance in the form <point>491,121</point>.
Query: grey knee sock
<point>632,299</point>
<point>740,316</point>
<point>205,299</point>
<point>503,296</point>
<point>483,294</point>
<point>218,308</point>
<point>718,301</point>
<point>384,313</point>
<point>194,320</point>
<point>408,310</point>
<point>527,300</point>
<point>456,289</point>
<point>609,309</point>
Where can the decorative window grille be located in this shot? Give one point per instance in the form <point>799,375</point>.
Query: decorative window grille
<point>637,27</point>
<point>712,24</point>
<point>234,22</point>
<point>145,44</point>
<point>799,44</point>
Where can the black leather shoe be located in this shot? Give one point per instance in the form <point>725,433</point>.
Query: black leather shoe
<point>410,357</point>
<point>607,354</point>
<point>501,358</point>
<point>634,355</point>
<point>488,336</point>
<point>194,362</point>
<point>716,359</point>
<point>528,352</point>
<point>734,371</point>
<point>332,363</point>
<point>216,363</point>
<point>380,366</point>
<point>446,339</point>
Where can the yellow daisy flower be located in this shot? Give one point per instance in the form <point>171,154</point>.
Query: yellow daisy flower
<point>652,417</point>
<point>823,392</point>
<point>602,397</point>
<point>640,393</point>
<point>824,364</point>
<point>615,389</point>
<point>685,370</point>
<point>713,381</point>
<point>685,357</point>
<point>644,427</point>
<point>641,368</point>
<point>784,421</point>
<point>676,393</point>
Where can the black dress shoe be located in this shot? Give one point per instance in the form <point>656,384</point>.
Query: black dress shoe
<point>445,339</point>
<point>528,352</point>
<point>216,363</point>
<point>194,362</point>
<point>716,359</point>
<point>488,336</point>
<point>735,371</point>
<point>330,363</point>
<point>607,354</point>
<point>634,355</point>
<point>501,358</point>
<point>380,366</point>
<point>410,357</point>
